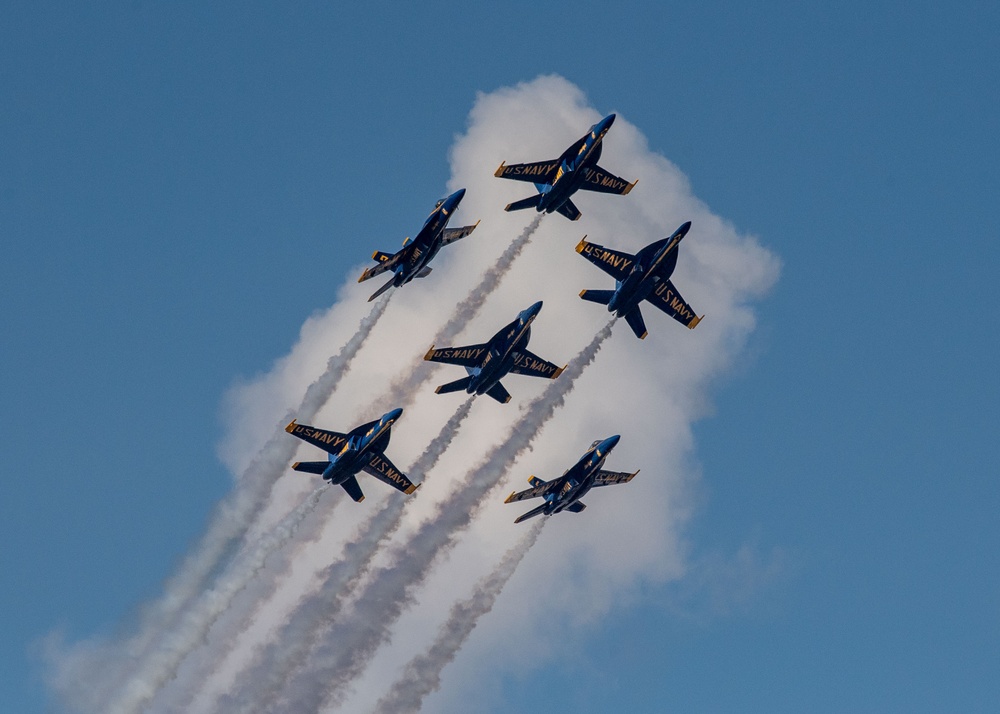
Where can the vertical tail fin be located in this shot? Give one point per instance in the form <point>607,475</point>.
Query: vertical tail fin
<point>353,489</point>
<point>634,319</point>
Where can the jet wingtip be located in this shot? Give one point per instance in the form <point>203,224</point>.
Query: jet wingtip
<point>430,353</point>
<point>291,426</point>
<point>411,488</point>
<point>560,370</point>
<point>643,335</point>
<point>581,245</point>
<point>499,172</point>
<point>510,498</point>
<point>507,399</point>
<point>695,321</point>
<point>295,466</point>
<point>507,207</point>
<point>630,187</point>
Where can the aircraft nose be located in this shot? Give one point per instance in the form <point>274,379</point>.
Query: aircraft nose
<point>458,196</point>
<point>685,227</point>
<point>610,443</point>
<point>393,415</point>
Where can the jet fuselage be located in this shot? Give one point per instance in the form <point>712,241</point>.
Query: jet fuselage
<point>653,264</point>
<point>427,242</point>
<point>501,353</point>
<point>580,477</point>
<point>583,154</point>
<point>354,455</point>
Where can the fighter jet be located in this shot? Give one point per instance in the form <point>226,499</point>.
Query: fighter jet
<point>411,260</point>
<point>644,276</point>
<point>506,352</point>
<point>362,449</point>
<point>565,492</point>
<point>557,179</point>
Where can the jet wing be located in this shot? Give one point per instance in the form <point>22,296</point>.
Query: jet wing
<point>330,441</point>
<point>534,366</point>
<point>610,478</point>
<point>381,468</point>
<point>666,297</point>
<point>603,181</point>
<point>450,235</point>
<point>386,261</point>
<point>615,263</point>
<point>538,172</point>
<point>468,356</point>
<point>542,489</point>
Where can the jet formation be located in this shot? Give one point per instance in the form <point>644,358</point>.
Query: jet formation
<point>505,353</point>
<point>645,275</point>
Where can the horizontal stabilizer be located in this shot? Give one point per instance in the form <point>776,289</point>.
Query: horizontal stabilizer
<point>535,481</point>
<point>459,385</point>
<point>382,289</point>
<point>601,297</point>
<point>530,514</point>
<point>353,489</point>
<point>310,467</point>
<point>576,507</point>
<point>529,202</point>
<point>380,257</point>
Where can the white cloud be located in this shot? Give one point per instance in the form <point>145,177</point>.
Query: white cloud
<point>650,392</point>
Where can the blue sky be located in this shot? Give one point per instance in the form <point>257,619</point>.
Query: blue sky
<point>182,187</point>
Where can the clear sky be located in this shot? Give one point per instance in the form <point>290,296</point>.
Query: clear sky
<point>182,186</point>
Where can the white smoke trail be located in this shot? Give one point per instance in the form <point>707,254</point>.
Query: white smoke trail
<point>422,675</point>
<point>350,643</point>
<point>138,664</point>
<point>403,390</point>
<point>192,627</point>
<point>284,654</point>
<point>406,387</point>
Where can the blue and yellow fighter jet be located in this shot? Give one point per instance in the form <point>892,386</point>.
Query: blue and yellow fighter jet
<point>506,352</point>
<point>643,276</point>
<point>565,492</point>
<point>411,260</point>
<point>558,179</point>
<point>362,449</point>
